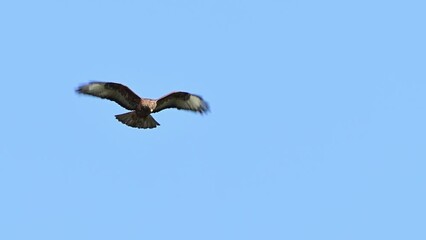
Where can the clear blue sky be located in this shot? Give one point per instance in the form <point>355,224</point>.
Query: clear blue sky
<point>316,130</point>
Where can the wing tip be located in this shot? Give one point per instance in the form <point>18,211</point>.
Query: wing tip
<point>87,87</point>
<point>79,89</point>
<point>203,107</point>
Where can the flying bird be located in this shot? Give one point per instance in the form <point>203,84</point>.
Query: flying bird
<point>142,108</point>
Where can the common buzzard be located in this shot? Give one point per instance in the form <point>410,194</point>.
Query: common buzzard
<point>140,116</point>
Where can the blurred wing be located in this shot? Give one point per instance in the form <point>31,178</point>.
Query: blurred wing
<point>112,91</point>
<point>182,100</point>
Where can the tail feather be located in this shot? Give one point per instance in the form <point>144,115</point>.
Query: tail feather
<point>133,120</point>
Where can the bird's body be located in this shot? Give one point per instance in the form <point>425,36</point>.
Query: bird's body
<point>142,108</point>
<point>145,107</point>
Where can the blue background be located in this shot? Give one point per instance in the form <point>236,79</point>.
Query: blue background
<point>316,131</point>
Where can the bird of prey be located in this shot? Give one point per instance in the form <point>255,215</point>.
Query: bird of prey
<point>141,108</point>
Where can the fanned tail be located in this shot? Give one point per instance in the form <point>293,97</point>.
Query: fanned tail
<point>133,120</point>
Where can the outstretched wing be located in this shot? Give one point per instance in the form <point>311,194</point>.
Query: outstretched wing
<point>112,91</point>
<point>182,100</point>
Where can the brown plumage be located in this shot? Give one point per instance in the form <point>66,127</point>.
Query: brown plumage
<point>140,116</point>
